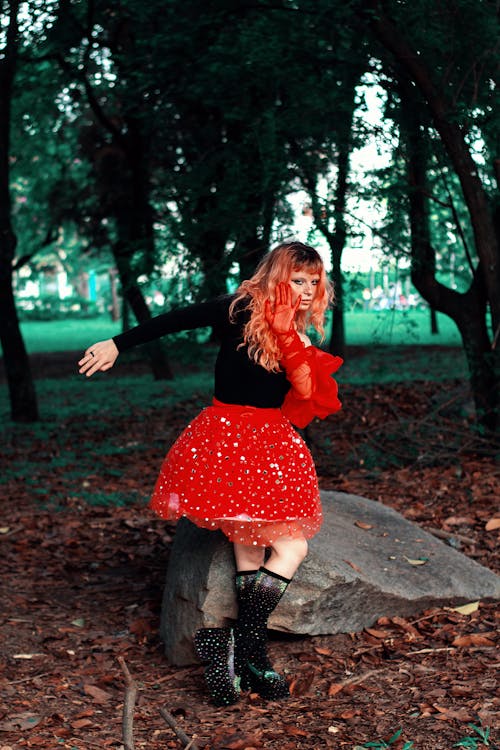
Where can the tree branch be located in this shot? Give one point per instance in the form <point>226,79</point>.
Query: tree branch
<point>50,237</point>
<point>128,707</point>
<point>182,736</point>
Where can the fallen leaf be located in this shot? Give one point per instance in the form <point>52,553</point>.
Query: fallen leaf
<point>335,688</point>
<point>377,633</point>
<point>20,722</point>
<point>406,626</point>
<point>80,723</point>
<point>349,713</point>
<point>26,656</point>
<point>440,709</point>
<point>79,622</point>
<point>459,521</point>
<point>294,731</point>
<point>493,523</point>
<point>416,561</point>
<point>466,609</point>
<point>85,714</point>
<point>300,685</point>
<point>474,639</point>
<point>323,651</point>
<point>451,714</point>
<point>101,696</point>
<point>238,741</point>
<point>363,525</point>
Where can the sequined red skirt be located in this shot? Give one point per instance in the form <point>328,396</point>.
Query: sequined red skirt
<point>243,470</point>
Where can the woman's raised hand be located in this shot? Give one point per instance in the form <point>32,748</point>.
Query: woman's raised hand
<point>98,357</point>
<point>280,317</point>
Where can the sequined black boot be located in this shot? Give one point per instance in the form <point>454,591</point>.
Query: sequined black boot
<point>244,581</point>
<point>215,646</point>
<point>258,594</point>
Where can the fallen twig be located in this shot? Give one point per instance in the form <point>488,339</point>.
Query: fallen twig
<point>431,650</point>
<point>28,679</point>
<point>359,678</point>
<point>188,744</point>
<point>128,706</point>
<point>449,535</point>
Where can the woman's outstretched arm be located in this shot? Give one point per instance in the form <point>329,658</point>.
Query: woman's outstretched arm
<point>101,356</point>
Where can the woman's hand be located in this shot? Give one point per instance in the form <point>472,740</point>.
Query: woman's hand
<point>280,318</point>
<point>98,357</point>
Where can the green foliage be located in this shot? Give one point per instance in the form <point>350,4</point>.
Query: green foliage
<point>51,308</point>
<point>472,742</point>
<point>178,131</point>
<point>112,499</point>
<point>384,745</point>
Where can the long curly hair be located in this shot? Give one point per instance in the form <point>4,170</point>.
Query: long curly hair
<point>276,266</point>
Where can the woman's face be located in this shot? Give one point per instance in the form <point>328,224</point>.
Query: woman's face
<point>304,284</point>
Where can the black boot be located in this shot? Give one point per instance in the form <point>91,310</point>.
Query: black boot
<point>258,595</point>
<point>216,646</point>
<point>244,581</point>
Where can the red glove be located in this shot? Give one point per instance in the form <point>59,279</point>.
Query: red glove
<point>295,356</point>
<point>281,319</point>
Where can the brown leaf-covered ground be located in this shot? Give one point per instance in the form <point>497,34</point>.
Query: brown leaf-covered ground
<point>82,585</point>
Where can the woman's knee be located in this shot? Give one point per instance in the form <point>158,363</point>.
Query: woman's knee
<point>292,548</point>
<point>302,549</point>
<point>247,556</point>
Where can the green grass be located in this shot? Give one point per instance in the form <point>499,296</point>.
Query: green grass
<point>392,364</point>
<point>66,335</point>
<point>118,393</point>
<point>106,393</point>
<point>67,398</point>
<point>395,327</point>
<point>362,329</point>
<point>88,408</point>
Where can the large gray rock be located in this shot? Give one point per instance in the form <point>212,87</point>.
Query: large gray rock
<point>352,576</point>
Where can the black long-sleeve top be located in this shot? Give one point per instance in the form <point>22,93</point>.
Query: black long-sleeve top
<point>238,379</point>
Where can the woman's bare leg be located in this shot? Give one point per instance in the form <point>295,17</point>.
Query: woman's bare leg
<point>248,557</point>
<point>258,594</point>
<point>286,555</point>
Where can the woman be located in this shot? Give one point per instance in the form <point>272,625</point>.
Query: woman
<point>240,466</point>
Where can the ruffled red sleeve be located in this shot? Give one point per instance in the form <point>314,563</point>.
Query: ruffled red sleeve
<point>324,398</point>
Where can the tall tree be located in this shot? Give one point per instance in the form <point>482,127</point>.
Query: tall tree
<point>468,308</point>
<point>452,86</point>
<point>21,387</point>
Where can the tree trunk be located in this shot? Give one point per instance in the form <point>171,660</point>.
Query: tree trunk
<point>336,239</point>
<point>23,402</point>
<point>434,322</point>
<point>134,297</point>
<point>20,381</point>
<point>250,251</point>
<point>115,306</point>
<point>134,226</point>
<point>468,310</point>
<point>253,244</point>
<point>337,344</point>
<point>210,248</point>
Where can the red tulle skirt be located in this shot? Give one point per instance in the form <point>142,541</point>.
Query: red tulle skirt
<point>243,470</point>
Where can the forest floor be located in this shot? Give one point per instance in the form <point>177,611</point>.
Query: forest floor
<point>82,586</point>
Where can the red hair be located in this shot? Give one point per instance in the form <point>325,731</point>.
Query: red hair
<point>276,266</point>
